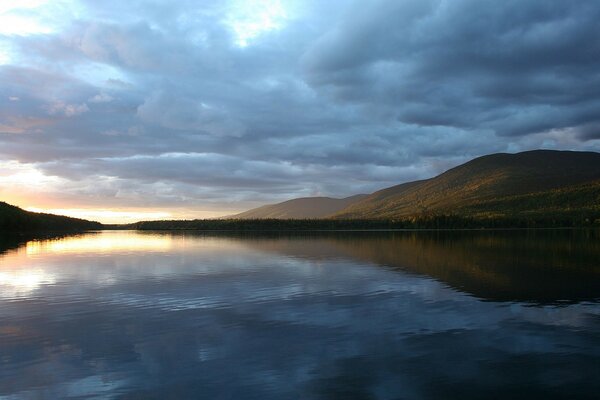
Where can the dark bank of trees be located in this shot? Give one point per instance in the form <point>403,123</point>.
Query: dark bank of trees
<point>566,220</point>
<point>15,219</point>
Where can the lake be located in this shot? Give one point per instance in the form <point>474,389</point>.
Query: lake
<point>345,315</point>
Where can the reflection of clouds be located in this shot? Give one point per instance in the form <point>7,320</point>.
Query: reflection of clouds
<point>94,386</point>
<point>19,283</point>
<point>224,317</point>
<point>574,316</point>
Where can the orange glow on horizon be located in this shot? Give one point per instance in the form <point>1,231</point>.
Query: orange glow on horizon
<point>105,216</point>
<point>125,216</point>
<point>25,186</point>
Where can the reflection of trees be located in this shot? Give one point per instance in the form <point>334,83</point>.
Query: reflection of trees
<point>536,266</point>
<point>15,240</point>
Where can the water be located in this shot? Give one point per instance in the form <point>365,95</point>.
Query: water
<point>465,315</point>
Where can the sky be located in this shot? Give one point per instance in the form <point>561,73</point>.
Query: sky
<point>127,110</point>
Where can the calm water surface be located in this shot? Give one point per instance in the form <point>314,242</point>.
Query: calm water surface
<point>465,315</point>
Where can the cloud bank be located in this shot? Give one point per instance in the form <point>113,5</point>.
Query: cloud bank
<point>217,106</point>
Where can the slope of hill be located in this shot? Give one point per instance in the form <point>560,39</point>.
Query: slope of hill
<point>568,202</point>
<point>306,207</point>
<point>14,219</point>
<point>493,185</point>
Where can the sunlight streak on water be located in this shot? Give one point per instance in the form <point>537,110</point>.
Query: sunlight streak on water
<point>15,284</point>
<point>102,242</point>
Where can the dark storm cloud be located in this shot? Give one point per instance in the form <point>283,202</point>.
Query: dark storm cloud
<point>514,67</point>
<point>588,132</point>
<point>333,98</point>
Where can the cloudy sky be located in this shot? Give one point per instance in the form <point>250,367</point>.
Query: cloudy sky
<point>121,110</point>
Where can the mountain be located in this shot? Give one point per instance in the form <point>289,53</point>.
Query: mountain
<point>15,219</point>
<point>540,188</point>
<point>306,207</point>
<point>496,185</point>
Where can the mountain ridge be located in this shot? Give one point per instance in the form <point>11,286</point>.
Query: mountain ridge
<point>303,207</point>
<point>15,219</point>
<point>482,179</point>
<point>508,184</point>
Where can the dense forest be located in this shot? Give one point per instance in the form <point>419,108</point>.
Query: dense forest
<point>15,219</point>
<point>555,220</point>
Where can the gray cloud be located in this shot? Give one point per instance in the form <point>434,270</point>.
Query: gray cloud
<point>342,97</point>
<point>517,67</point>
<point>187,114</point>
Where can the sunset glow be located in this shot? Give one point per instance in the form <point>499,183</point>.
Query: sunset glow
<point>107,216</point>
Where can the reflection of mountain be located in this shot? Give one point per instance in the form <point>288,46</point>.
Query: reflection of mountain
<point>9,242</point>
<point>15,240</point>
<point>532,266</point>
<point>540,266</point>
